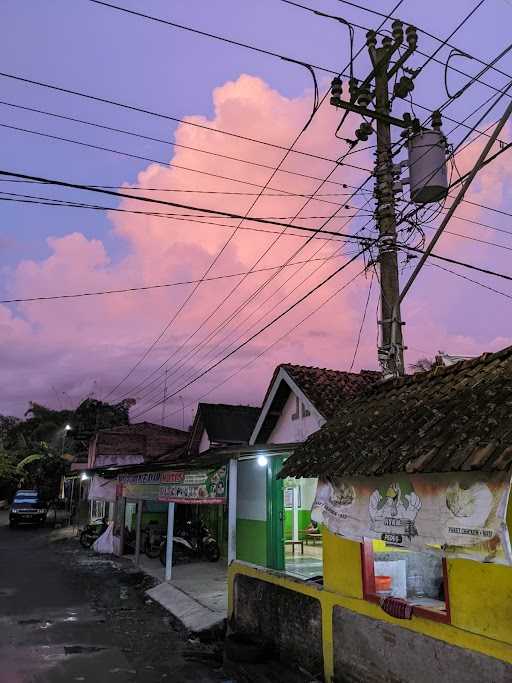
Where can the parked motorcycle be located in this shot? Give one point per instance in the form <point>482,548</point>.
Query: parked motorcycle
<point>93,531</point>
<point>152,540</point>
<point>193,541</point>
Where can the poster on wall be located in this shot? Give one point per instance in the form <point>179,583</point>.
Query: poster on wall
<point>460,514</point>
<point>194,486</point>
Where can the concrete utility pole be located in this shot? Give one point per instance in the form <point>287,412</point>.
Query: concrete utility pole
<point>391,349</point>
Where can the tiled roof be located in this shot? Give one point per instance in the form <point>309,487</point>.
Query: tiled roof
<point>224,423</point>
<point>328,389</point>
<point>448,419</point>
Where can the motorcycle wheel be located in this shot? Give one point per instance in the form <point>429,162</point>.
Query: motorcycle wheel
<point>212,551</point>
<point>86,539</point>
<point>152,550</point>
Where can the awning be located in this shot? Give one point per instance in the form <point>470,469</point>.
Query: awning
<point>458,514</point>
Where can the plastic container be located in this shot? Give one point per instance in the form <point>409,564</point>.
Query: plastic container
<point>383,585</point>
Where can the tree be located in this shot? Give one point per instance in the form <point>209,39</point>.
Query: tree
<point>35,451</point>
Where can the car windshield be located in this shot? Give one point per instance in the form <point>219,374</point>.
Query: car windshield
<point>27,501</point>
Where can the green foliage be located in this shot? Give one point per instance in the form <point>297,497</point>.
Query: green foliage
<point>34,452</point>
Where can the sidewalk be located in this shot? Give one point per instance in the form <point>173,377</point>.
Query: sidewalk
<point>196,594</point>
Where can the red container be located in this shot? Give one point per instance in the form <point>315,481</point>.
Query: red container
<point>383,585</point>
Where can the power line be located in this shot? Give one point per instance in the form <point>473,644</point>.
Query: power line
<point>301,228</point>
<point>274,343</point>
<point>268,249</point>
<point>266,327</point>
<point>358,341</point>
<point>160,115</point>
<point>430,35</point>
<point>475,282</point>
<point>206,34</point>
<point>78,295</point>
<point>150,138</point>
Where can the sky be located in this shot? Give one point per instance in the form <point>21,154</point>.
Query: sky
<point>59,352</point>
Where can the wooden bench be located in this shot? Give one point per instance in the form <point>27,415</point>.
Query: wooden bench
<point>293,544</point>
<point>313,537</point>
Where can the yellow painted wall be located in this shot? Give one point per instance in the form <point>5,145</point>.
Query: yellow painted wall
<point>342,565</point>
<point>480,600</point>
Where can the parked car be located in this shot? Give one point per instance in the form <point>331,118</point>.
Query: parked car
<point>58,513</point>
<point>28,507</point>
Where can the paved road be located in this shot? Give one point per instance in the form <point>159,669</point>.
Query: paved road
<point>68,615</point>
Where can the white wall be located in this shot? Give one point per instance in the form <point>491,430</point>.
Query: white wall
<point>293,431</point>
<point>204,444</point>
<point>251,490</point>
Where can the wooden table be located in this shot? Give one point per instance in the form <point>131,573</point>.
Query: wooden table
<point>314,538</point>
<point>293,544</point>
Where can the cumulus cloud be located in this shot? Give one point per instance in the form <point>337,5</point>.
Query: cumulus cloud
<point>89,344</point>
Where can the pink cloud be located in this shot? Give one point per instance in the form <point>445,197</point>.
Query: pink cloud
<point>75,343</point>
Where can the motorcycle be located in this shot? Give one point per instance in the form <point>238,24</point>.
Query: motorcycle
<point>152,540</point>
<point>192,542</point>
<point>93,531</point>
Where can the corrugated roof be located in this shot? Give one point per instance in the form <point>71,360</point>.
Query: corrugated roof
<point>448,419</point>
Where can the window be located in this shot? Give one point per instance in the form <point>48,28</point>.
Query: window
<point>418,578</point>
<point>296,414</point>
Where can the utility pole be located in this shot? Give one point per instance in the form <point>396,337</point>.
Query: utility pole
<point>165,398</point>
<point>391,350</point>
<point>384,69</point>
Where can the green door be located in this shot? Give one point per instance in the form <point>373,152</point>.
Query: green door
<point>275,514</point>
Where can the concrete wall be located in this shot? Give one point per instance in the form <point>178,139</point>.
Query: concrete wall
<point>251,523</point>
<point>292,623</point>
<point>372,651</point>
<point>475,646</point>
<point>294,431</point>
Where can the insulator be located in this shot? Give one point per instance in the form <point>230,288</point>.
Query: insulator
<point>353,86</point>
<point>371,39</point>
<point>404,86</point>
<point>398,31</point>
<point>412,37</point>
<point>336,87</point>
<point>437,120</point>
<point>364,97</point>
<point>407,119</point>
<point>364,131</point>
<point>386,41</point>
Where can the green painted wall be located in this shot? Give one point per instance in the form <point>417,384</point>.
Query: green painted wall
<point>251,541</point>
<point>304,522</point>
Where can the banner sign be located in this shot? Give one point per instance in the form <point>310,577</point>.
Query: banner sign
<point>143,486</point>
<point>194,486</point>
<point>459,514</point>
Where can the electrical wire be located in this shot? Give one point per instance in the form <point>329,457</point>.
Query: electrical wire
<point>274,343</point>
<point>207,34</point>
<point>207,370</point>
<point>358,341</point>
<point>78,295</point>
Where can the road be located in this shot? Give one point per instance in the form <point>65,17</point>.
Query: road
<point>68,615</point>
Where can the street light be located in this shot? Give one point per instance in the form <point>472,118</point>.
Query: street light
<point>67,428</point>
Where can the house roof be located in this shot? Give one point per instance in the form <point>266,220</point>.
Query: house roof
<point>142,442</point>
<point>447,419</point>
<point>224,424</point>
<point>325,389</point>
